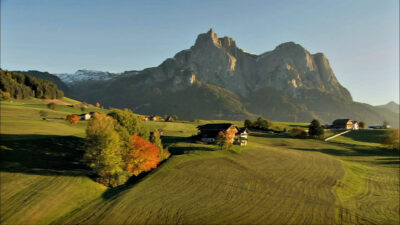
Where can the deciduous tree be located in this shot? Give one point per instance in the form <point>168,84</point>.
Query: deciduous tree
<point>223,140</point>
<point>248,123</point>
<point>52,106</point>
<point>133,123</point>
<point>107,144</point>
<point>315,130</point>
<point>143,157</point>
<point>73,118</point>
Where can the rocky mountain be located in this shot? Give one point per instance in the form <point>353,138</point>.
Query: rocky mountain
<point>85,75</point>
<point>393,106</point>
<point>215,79</point>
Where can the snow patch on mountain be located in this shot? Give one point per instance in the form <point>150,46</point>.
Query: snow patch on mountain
<point>84,75</point>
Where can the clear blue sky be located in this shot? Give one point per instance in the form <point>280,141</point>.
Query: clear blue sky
<point>359,37</point>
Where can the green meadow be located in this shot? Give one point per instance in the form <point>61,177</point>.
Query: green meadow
<point>274,180</point>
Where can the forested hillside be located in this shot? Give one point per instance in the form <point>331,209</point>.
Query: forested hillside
<point>20,86</point>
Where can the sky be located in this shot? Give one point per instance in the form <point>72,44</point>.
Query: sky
<point>359,37</point>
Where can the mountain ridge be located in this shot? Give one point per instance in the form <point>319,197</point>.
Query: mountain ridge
<point>287,83</point>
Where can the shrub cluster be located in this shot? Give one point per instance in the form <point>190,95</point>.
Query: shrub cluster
<point>298,132</point>
<point>19,86</point>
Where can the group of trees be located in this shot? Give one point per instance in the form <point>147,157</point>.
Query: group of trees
<point>261,124</point>
<point>315,130</point>
<point>19,86</point>
<point>118,146</point>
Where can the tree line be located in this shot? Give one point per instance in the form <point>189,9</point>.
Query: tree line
<point>20,86</point>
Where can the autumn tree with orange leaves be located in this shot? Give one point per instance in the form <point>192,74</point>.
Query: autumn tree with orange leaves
<point>73,118</point>
<point>224,140</point>
<point>143,157</point>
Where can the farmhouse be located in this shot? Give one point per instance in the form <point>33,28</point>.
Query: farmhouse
<point>241,137</point>
<point>209,132</point>
<point>345,124</point>
<point>85,116</point>
<point>155,118</point>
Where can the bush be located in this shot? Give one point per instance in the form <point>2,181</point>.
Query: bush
<point>362,124</point>
<point>4,95</point>
<point>315,130</point>
<point>43,113</point>
<point>52,106</point>
<point>391,139</point>
<point>298,132</point>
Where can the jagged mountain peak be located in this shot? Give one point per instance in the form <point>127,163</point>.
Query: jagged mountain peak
<point>211,38</point>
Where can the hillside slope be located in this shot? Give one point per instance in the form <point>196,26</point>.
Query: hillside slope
<point>274,180</point>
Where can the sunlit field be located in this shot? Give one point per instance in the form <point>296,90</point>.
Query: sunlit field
<point>273,180</point>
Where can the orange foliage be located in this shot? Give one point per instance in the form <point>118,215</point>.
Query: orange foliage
<point>143,157</point>
<point>73,118</point>
<point>97,105</point>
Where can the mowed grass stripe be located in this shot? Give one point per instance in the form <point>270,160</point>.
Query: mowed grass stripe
<point>263,186</point>
<point>40,199</point>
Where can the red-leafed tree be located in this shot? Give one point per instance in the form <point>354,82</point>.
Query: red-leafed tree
<point>143,157</point>
<point>73,118</point>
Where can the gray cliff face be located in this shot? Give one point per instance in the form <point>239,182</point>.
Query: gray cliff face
<point>289,68</point>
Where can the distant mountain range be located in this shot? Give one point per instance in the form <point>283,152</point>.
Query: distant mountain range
<point>215,79</point>
<point>393,106</point>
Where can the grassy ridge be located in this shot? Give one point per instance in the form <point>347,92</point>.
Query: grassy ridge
<point>274,180</point>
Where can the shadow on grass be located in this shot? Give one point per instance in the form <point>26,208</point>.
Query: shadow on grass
<point>112,193</point>
<point>42,154</point>
<point>392,157</point>
<point>370,136</point>
<point>186,145</point>
<point>268,135</point>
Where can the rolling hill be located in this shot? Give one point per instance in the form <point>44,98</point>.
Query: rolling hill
<point>274,180</point>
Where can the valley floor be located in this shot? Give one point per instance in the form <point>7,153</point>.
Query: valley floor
<point>273,180</point>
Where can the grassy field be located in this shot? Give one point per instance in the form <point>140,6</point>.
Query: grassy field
<point>273,180</point>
